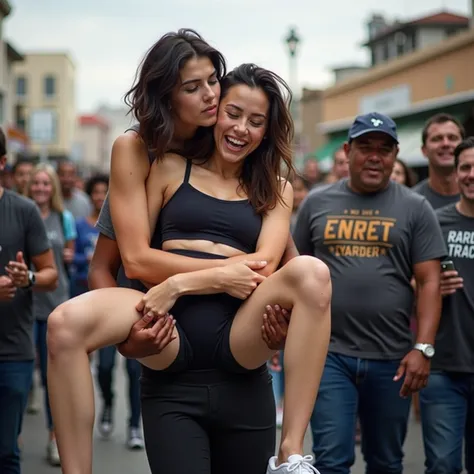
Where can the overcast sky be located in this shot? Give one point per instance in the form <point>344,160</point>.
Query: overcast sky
<point>108,38</point>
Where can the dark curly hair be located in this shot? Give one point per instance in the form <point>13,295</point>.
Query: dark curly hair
<point>149,98</point>
<point>410,176</point>
<point>94,180</point>
<point>466,144</point>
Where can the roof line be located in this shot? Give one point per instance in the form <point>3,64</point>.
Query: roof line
<point>417,107</point>
<point>453,43</point>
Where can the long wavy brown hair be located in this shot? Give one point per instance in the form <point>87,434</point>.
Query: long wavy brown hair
<point>272,160</point>
<point>150,97</point>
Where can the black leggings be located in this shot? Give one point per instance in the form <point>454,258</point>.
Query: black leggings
<point>209,421</point>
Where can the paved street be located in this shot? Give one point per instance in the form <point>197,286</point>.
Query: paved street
<point>112,457</point>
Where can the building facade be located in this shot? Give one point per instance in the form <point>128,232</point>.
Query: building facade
<point>91,145</point>
<point>391,40</point>
<point>45,105</point>
<point>17,139</point>
<point>5,80</point>
<point>410,88</point>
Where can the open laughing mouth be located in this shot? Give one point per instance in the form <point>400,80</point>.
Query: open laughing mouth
<point>234,143</point>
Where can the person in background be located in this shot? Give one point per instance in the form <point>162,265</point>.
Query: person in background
<point>374,235</point>
<point>44,190</point>
<point>76,201</point>
<point>447,403</point>
<point>340,167</point>
<point>401,174</point>
<point>311,171</point>
<point>87,234</point>
<point>441,134</point>
<point>301,188</point>
<point>21,174</point>
<point>80,184</point>
<point>23,242</point>
<point>6,177</point>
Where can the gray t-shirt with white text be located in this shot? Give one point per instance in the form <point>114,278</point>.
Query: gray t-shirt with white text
<point>370,244</point>
<point>455,337</point>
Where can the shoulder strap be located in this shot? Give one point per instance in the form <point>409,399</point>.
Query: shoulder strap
<point>63,225</point>
<point>189,164</point>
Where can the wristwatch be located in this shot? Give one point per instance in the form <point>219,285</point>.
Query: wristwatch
<point>426,349</point>
<point>31,279</point>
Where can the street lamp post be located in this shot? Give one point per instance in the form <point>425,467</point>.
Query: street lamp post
<point>293,41</point>
<point>472,14</point>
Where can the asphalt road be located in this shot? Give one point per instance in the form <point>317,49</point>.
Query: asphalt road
<point>112,456</point>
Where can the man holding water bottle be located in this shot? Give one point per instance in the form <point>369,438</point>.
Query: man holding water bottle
<point>447,403</point>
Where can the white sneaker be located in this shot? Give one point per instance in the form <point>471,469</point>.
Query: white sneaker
<point>52,453</point>
<point>296,464</point>
<point>135,440</point>
<point>33,407</point>
<point>106,425</point>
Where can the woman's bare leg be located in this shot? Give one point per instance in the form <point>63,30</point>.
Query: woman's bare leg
<point>81,325</point>
<point>304,285</point>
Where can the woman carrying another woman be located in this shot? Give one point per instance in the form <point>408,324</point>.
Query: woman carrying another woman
<point>243,216</point>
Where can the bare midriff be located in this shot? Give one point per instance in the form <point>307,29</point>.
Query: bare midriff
<point>202,246</point>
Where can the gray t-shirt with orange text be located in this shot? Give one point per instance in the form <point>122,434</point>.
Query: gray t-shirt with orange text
<point>370,243</point>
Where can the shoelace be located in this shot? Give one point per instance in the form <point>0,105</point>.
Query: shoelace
<point>107,415</point>
<point>303,466</point>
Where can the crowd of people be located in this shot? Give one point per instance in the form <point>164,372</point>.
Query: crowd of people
<point>69,214</point>
<point>222,265</point>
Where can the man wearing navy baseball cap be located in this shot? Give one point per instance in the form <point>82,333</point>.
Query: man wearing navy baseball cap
<point>374,235</point>
<point>373,122</point>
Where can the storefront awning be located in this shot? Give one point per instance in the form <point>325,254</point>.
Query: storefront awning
<point>18,140</point>
<point>409,138</point>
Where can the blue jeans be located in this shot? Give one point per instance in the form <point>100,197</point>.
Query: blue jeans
<point>278,383</point>
<point>15,384</point>
<point>41,328</point>
<point>105,378</point>
<point>447,414</point>
<point>351,387</point>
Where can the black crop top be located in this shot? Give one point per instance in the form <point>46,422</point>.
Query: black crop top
<point>193,215</point>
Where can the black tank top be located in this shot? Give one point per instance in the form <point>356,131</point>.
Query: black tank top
<point>193,215</point>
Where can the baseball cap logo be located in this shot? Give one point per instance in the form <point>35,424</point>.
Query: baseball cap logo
<point>376,122</point>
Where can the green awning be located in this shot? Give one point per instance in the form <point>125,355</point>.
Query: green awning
<point>409,138</point>
<point>325,153</point>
